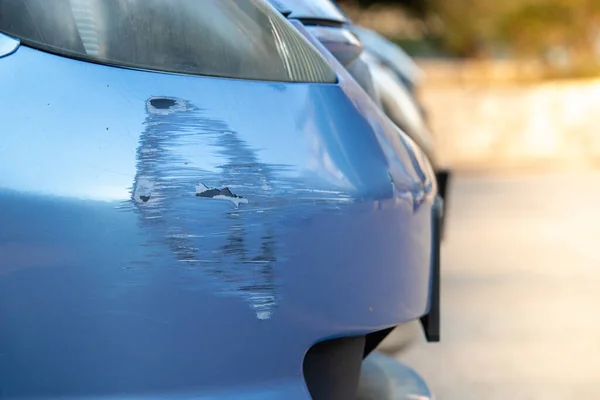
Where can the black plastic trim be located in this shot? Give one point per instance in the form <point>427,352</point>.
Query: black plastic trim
<point>320,22</point>
<point>332,368</point>
<point>443,177</point>
<point>374,339</point>
<point>431,321</point>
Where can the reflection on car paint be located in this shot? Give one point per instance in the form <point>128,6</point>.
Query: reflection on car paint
<point>8,45</point>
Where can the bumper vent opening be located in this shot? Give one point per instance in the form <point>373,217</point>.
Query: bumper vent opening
<point>373,340</point>
<point>332,368</point>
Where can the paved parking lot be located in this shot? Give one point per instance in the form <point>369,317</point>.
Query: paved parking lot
<point>521,291</point>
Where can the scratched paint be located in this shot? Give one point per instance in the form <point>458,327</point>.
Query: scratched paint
<point>219,224</point>
<point>220,194</point>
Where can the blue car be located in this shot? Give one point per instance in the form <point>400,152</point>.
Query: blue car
<point>197,201</point>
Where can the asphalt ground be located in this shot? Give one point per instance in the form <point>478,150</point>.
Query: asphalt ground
<point>520,290</point>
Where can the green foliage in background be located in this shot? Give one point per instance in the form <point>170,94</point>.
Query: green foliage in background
<point>467,25</point>
<point>561,35</point>
<point>553,30</point>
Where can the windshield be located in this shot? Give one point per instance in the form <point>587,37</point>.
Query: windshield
<point>229,38</point>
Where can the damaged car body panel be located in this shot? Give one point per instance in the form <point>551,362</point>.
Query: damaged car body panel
<point>147,218</point>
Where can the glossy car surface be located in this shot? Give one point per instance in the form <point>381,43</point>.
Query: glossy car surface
<point>383,378</point>
<point>149,218</point>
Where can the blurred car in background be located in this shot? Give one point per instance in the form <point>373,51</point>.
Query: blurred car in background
<point>381,67</point>
<point>198,201</point>
<point>396,78</point>
<point>391,55</point>
<point>325,21</point>
<point>400,105</point>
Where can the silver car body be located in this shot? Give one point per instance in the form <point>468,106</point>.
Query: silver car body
<point>399,104</point>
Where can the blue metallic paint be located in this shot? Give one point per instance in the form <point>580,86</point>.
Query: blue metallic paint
<point>104,296</point>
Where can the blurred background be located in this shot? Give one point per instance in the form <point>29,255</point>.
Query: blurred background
<point>512,90</point>
<point>524,69</point>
